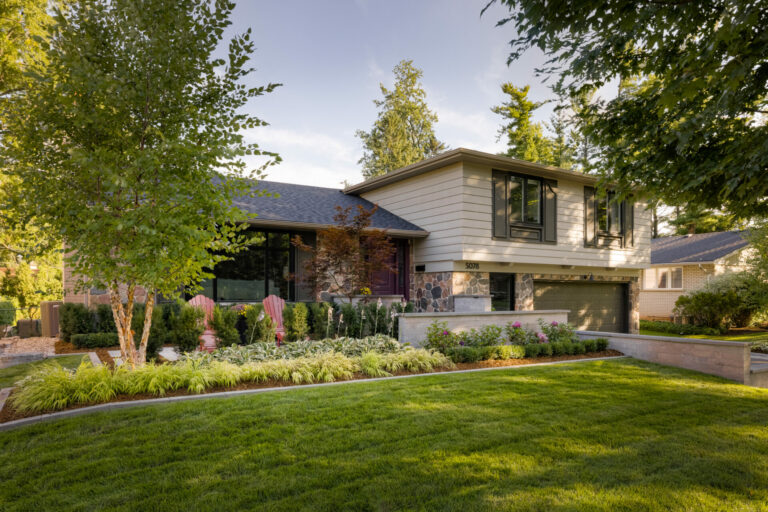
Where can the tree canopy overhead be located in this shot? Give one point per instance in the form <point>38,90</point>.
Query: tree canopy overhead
<point>403,133</point>
<point>127,142</point>
<point>693,128</point>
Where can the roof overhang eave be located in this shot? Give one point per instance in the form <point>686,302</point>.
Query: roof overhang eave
<point>309,226</point>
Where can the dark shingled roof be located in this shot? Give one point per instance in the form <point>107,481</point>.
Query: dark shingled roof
<point>699,248</point>
<point>315,205</point>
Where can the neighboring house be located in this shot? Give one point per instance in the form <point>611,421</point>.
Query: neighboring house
<point>474,232</point>
<point>680,264</point>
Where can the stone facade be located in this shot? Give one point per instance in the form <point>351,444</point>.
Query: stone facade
<point>431,291</point>
<point>471,283</point>
<point>523,292</point>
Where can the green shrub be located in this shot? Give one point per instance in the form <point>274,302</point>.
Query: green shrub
<point>711,309</point>
<point>186,327</point>
<point>7,313</point>
<point>602,344</point>
<point>318,320</point>
<point>348,321</point>
<point>295,322</point>
<point>545,349</point>
<point>533,349</point>
<point>259,325</point>
<point>579,347</point>
<point>519,335</point>
<point>515,352</point>
<point>440,338</point>
<point>590,345</point>
<point>673,328</point>
<point>557,331</point>
<point>105,320</point>
<point>558,348</point>
<point>74,319</point>
<point>95,340</point>
<point>464,354</point>
<point>488,336</point>
<point>224,322</point>
<point>376,318</point>
<point>394,310</point>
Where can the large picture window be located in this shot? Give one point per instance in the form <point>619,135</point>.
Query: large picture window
<point>262,268</point>
<point>525,208</point>
<point>663,278</point>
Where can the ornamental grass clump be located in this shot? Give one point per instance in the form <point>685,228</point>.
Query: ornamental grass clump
<point>53,387</point>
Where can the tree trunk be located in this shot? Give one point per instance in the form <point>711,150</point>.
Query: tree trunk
<point>123,316</point>
<point>148,309</point>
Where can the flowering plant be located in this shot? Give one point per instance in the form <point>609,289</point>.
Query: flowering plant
<point>519,335</point>
<point>439,337</point>
<point>558,332</point>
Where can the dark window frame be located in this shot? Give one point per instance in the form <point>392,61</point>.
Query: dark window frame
<point>594,235</point>
<point>542,232</point>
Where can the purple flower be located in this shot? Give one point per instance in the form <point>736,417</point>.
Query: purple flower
<point>554,324</point>
<point>445,333</point>
<point>542,337</point>
<point>461,343</point>
<point>517,325</point>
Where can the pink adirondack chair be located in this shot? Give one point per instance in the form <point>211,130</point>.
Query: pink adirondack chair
<point>274,306</point>
<point>208,338</point>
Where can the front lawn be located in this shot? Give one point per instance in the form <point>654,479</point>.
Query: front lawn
<point>604,435</point>
<point>9,376</point>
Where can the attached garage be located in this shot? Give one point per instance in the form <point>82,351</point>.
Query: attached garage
<point>593,306</point>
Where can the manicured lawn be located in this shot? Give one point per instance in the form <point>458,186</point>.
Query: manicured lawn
<point>603,435</point>
<point>8,376</point>
<point>752,337</point>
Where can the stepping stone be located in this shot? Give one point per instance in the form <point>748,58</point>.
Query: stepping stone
<point>169,353</point>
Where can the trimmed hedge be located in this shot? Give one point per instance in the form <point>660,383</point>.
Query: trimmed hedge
<point>95,340</point>
<point>673,328</point>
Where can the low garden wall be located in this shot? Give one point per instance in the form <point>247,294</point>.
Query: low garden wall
<point>729,359</point>
<point>413,326</point>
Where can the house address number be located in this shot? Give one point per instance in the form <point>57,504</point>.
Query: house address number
<point>471,265</point>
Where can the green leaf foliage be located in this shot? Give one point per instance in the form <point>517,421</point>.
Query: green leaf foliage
<point>403,133</point>
<point>688,124</point>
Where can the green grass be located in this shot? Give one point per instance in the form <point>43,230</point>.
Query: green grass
<point>602,435</point>
<point>751,337</point>
<point>8,376</point>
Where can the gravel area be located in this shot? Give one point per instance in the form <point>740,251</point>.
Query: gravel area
<point>16,345</point>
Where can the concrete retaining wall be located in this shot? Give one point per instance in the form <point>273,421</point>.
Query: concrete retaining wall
<point>729,359</point>
<point>413,326</point>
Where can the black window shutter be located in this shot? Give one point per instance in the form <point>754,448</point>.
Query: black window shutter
<point>550,212</point>
<point>629,223</point>
<point>500,219</point>
<point>590,220</point>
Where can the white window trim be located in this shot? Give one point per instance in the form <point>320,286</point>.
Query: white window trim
<point>670,268</point>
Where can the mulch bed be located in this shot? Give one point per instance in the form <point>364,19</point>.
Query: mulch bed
<point>65,347</point>
<point>8,414</point>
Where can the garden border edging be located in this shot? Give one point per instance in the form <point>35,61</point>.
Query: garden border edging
<point>10,425</point>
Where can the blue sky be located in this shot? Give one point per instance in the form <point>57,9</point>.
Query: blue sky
<point>331,56</point>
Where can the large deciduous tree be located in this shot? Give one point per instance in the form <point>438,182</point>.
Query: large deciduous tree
<point>694,129</point>
<point>404,130</point>
<point>127,142</point>
<point>347,256</point>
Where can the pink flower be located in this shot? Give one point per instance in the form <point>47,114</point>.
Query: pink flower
<point>542,337</point>
<point>554,324</point>
<point>517,325</point>
<point>445,333</point>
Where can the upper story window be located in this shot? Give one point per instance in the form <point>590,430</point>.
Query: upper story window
<point>607,222</point>
<point>524,208</point>
<point>663,278</point>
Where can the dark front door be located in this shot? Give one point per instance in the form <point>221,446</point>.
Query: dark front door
<point>502,291</point>
<point>394,283</point>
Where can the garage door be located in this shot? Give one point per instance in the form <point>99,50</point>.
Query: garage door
<point>593,306</point>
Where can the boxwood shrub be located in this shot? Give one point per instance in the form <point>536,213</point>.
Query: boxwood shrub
<point>95,340</point>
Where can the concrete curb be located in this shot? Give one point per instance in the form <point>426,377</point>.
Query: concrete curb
<point>228,394</point>
<point>4,393</point>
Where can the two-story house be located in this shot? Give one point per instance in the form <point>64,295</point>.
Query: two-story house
<point>474,231</point>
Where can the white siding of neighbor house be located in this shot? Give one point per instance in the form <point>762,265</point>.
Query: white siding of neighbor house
<point>455,205</point>
<point>479,245</point>
<point>432,201</point>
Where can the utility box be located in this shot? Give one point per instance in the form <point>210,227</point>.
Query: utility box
<point>28,328</point>
<point>49,318</point>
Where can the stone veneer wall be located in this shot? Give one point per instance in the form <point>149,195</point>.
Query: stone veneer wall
<point>432,291</point>
<point>524,292</point>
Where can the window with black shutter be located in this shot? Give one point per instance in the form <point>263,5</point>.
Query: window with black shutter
<point>608,222</point>
<point>524,208</point>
